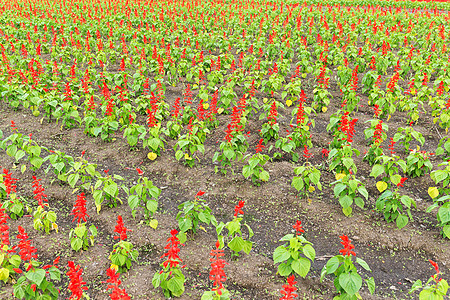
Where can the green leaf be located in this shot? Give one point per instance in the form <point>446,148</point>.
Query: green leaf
<point>264,176</point>
<point>247,171</point>
<point>377,170</point>
<point>247,247</point>
<point>350,282</point>
<point>371,285</point>
<point>156,281</point>
<point>309,252</point>
<point>185,224</point>
<point>297,183</point>
<point>281,254</point>
<point>73,179</point>
<point>338,188</point>
<point>133,201</point>
<point>36,276</point>
<point>363,264</point>
<point>301,266</point>
<point>332,265</point>
<point>284,269</point>
<point>111,189</point>
<point>401,221</point>
<point>236,244</point>
<point>176,286</point>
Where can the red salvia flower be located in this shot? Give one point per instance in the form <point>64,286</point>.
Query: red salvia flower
<point>402,181</point>
<point>289,289</point>
<point>79,209</point>
<point>272,118</point>
<point>217,274</point>
<point>238,208</point>
<point>306,153</point>
<point>391,146</point>
<point>440,89</point>
<point>38,192</point>
<point>346,242</point>
<point>298,227</point>
<point>354,79</point>
<point>393,83</point>
<point>260,146</point>
<point>376,110</point>
<point>76,284</point>
<point>114,282</point>
<point>173,260</point>
<point>4,228</point>
<point>176,108</point>
<point>436,267</point>
<point>9,182</point>
<point>121,229</point>
<point>13,126</point>
<point>325,152</point>
<point>26,251</point>
<point>140,172</point>
<point>378,133</point>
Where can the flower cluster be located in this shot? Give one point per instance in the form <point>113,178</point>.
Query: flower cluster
<point>217,274</point>
<point>76,284</point>
<point>260,146</point>
<point>346,242</point>
<point>26,251</point>
<point>9,182</point>
<point>173,260</point>
<point>79,209</point>
<point>378,134</point>
<point>298,227</point>
<point>38,192</point>
<point>121,229</point>
<point>289,289</point>
<point>4,228</point>
<point>238,209</point>
<point>117,293</point>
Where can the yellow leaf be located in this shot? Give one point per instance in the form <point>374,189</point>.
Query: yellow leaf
<point>265,100</point>
<point>389,117</point>
<point>311,189</point>
<point>381,186</point>
<point>339,176</point>
<point>433,192</point>
<point>418,148</point>
<point>309,201</point>
<point>114,267</point>
<point>306,127</point>
<point>152,156</point>
<point>99,207</point>
<point>202,228</point>
<point>220,110</point>
<point>187,157</point>
<point>324,109</point>
<point>55,226</point>
<point>288,102</point>
<point>205,105</point>
<point>154,223</point>
<point>4,274</point>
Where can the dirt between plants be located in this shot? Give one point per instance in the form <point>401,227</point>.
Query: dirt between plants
<point>397,257</point>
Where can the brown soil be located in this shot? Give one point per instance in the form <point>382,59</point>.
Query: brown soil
<point>397,257</point>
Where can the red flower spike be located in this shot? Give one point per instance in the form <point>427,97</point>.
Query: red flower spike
<point>140,172</point>
<point>346,242</point>
<point>114,282</point>
<point>121,229</point>
<point>173,260</point>
<point>289,289</point>
<point>238,208</point>
<point>260,146</point>
<point>402,181</point>
<point>76,284</point>
<point>200,193</point>
<point>217,274</point>
<point>79,209</point>
<point>298,227</point>
<point>38,192</point>
<point>26,251</point>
